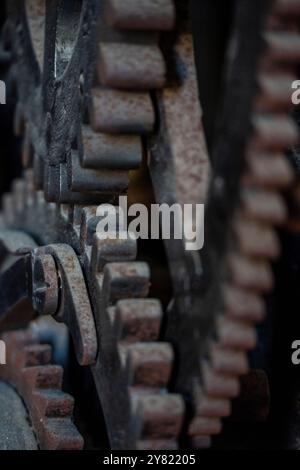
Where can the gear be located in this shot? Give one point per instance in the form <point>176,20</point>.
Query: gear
<point>88,120</point>
<point>29,372</point>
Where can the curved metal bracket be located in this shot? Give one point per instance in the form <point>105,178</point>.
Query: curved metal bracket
<point>46,280</point>
<point>74,308</point>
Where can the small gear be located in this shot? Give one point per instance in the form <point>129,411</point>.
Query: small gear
<point>29,371</point>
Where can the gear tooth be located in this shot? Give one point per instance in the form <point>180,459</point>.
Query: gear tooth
<point>60,434</point>
<point>159,416</point>
<point>250,274</point>
<point>37,355</point>
<point>273,133</point>
<point>269,171</point>
<point>275,93</point>
<point>218,385</point>
<point>256,240</point>
<point>19,338</point>
<point>87,180</point>
<point>59,182</point>
<point>208,406</point>
<point>138,320</point>
<point>53,403</point>
<point>106,151</point>
<point>229,361</point>
<point>140,15</point>
<point>144,71</point>
<point>115,247</point>
<point>264,206</point>
<point>243,305</point>
<point>283,47</point>
<point>234,334</point>
<point>149,364</point>
<point>212,407</point>
<point>122,112</point>
<point>43,377</point>
<point>125,280</point>
<point>205,426</point>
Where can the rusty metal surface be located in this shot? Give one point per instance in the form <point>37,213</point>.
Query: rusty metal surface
<point>84,132</point>
<point>120,112</point>
<point>260,207</point>
<point>74,307</point>
<point>130,358</point>
<point>45,289</point>
<point>39,384</point>
<point>245,263</point>
<point>140,15</point>
<point>21,436</point>
<point>178,159</point>
<point>129,66</point>
<point>49,281</point>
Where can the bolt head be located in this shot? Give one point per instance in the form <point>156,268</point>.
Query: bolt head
<point>45,285</point>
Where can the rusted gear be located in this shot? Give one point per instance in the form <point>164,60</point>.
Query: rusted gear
<point>73,165</point>
<point>140,414</point>
<point>131,358</point>
<point>39,383</point>
<point>75,162</point>
<point>16,431</point>
<point>242,244</point>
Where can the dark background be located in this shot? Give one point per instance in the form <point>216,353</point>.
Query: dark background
<point>10,167</point>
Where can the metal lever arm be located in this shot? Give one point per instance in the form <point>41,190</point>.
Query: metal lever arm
<point>45,281</point>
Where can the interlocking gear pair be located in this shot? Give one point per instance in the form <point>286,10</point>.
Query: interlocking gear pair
<point>110,87</point>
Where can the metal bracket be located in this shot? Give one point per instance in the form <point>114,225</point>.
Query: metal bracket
<point>45,281</point>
